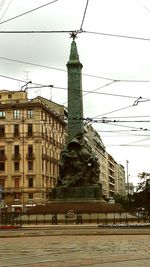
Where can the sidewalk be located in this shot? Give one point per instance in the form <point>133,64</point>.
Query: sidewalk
<point>77,250</point>
<point>66,230</point>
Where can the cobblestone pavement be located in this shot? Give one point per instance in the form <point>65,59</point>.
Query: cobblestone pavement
<point>75,251</point>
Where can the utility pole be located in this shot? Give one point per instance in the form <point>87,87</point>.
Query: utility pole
<point>127,163</point>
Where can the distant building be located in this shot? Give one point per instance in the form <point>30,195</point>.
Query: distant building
<point>32,135</point>
<point>98,147</point>
<point>112,174</point>
<point>120,187</point>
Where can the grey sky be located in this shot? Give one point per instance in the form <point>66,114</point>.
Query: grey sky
<point>115,58</point>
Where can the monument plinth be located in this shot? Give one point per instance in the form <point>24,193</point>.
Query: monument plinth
<point>79,167</point>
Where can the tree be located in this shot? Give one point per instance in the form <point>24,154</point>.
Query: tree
<point>143,192</point>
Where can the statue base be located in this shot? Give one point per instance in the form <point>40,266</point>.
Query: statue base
<point>81,193</point>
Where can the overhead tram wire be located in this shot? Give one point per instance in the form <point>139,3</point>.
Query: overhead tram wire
<point>77,31</point>
<point>140,140</point>
<point>60,69</point>
<point>127,145</point>
<point>27,12</point>
<point>145,7</point>
<point>38,85</point>
<point>84,15</point>
<point>126,126</point>
<point>116,110</point>
<point>117,35</point>
<point>122,117</point>
<point>10,1</point>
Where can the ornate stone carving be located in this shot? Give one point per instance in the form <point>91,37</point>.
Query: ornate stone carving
<point>78,165</point>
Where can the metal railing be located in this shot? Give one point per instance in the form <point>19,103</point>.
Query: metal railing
<point>71,217</point>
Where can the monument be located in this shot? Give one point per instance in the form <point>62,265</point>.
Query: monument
<point>79,167</point>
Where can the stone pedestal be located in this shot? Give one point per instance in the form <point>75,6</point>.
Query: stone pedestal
<point>88,193</point>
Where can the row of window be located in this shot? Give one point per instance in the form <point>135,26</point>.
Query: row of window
<point>16,130</point>
<point>17,182</point>
<point>16,165</point>
<point>29,114</point>
<point>16,150</point>
<point>17,114</point>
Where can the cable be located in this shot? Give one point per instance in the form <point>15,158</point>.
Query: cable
<point>113,111</point>
<point>19,80</point>
<point>10,1</point>
<point>125,126</point>
<point>128,145</point>
<point>145,7</point>
<point>2,4</point>
<point>32,64</point>
<point>27,12</point>
<point>62,88</point>
<point>118,35</point>
<point>105,85</point>
<point>30,32</point>
<point>122,117</point>
<point>59,69</point>
<point>120,131</point>
<point>84,15</point>
<point>141,140</point>
<point>105,121</point>
<point>70,31</point>
<point>133,105</point>
<point>87,92</point>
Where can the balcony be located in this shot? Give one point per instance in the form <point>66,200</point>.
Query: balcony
<point>45,157</point>
<point>16,156</point>
<point>30,156</point>
<point>11,190</point>
<point>53,160</point>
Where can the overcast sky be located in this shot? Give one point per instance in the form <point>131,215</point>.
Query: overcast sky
<point>114,44</point>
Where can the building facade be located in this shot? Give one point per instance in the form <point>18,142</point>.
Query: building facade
<point>32,135</point>
<point>112,174</point>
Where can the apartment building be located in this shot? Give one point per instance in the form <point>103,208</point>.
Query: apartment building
<point>121,183</point>
<point>32,135</point>
<point>98,147</point>
<point>111,175</point>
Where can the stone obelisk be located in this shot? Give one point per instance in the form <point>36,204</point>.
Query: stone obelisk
<point>75,101</point>
<point>79,168</point>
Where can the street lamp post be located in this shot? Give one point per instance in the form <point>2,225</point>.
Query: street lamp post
<point>127,163</point>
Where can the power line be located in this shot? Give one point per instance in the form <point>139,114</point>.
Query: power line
<point>105,85</point>
<point>77,31</point>
<point>2,4</point>
<point>138,141</point>
<point>62,88</point>
<point>117,35</point>
<point>10,1</point>
<point>127,145</point>
<point>121,131</point>
<point>103,120</point>
<point>126,126</point>
<point>116,110</point>
<point>122,117</point>
<point>145,7</point>
<point>84,15</point>
<point>27,12</point>
<point>84,91</point>
<point>60,69</point>
<point>40,32</point>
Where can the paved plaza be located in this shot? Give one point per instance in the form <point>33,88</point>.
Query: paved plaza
<point>76,249</point>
